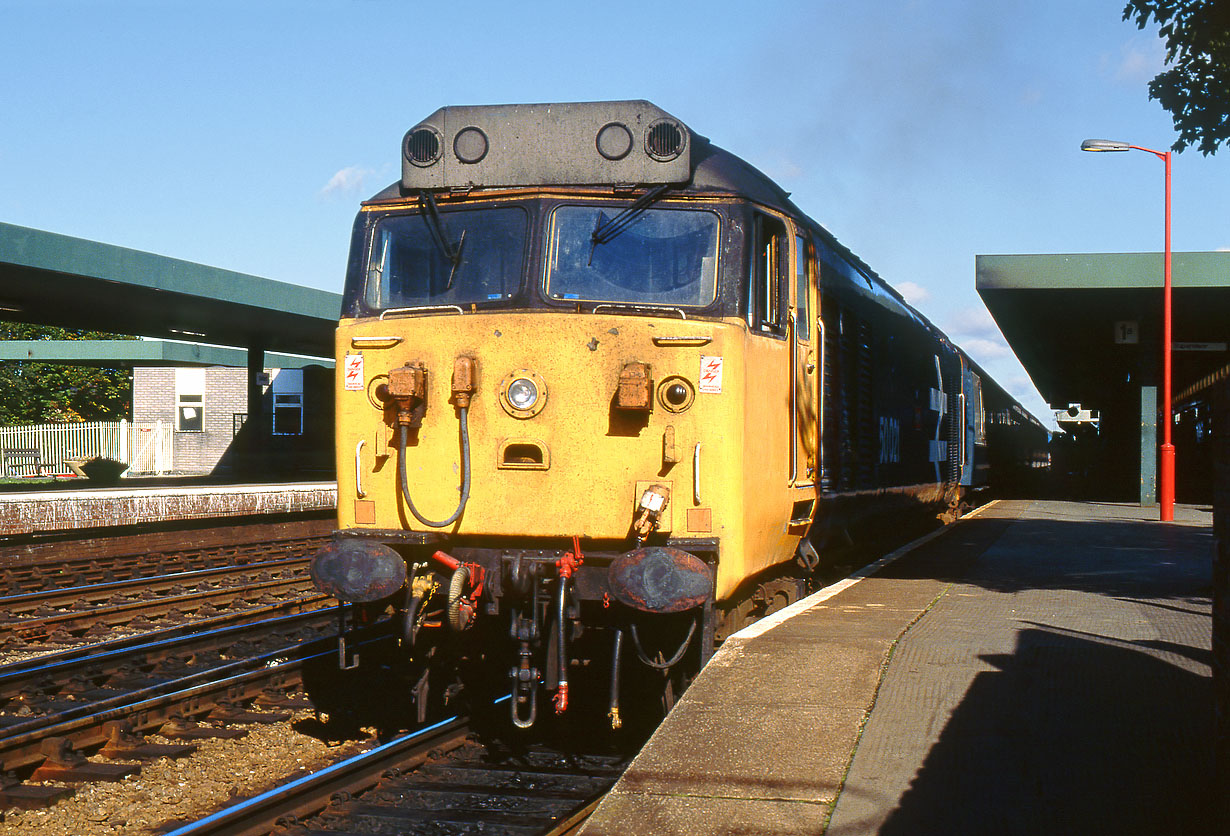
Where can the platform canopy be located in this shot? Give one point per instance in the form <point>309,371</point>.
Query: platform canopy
<point>53,279</point>
<point>113,353</point>
<point>1087,326</point>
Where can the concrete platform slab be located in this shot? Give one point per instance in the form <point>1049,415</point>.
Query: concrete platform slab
<point>64,510</point>
<point>1041,668</point>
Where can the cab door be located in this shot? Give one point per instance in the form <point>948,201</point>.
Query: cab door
<point>806,344</point>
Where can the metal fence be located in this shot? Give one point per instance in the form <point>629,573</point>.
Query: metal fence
<point>44,449</point>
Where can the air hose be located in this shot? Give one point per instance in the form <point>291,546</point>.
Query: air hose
<point>465,474</point>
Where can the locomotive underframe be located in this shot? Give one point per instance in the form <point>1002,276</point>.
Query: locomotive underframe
<point>519,582</point>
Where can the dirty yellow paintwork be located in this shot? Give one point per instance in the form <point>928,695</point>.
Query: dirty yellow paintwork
<point>589,485</point>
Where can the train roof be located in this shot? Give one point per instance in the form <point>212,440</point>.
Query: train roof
<point>631,142</point>
<point>616,143</point>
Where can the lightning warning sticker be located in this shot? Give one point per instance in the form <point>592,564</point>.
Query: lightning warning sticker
<point>354,372</point>
<point>711,375</point>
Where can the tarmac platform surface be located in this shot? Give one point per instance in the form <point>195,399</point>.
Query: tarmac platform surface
<point>1039,668</point>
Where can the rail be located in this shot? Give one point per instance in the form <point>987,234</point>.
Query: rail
<point>311,793</point>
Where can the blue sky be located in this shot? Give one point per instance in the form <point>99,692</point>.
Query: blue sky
<point>920,132</point>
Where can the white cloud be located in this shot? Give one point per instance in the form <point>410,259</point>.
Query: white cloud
<point>984,350</point>
<point>783,168</point>
<point>914,293</point>
<point>1139,60</point>
<point>972,322</point>
<point>975,331</point>
<point>348,181</point>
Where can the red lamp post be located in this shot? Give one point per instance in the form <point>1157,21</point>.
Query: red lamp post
<point>1166,452</point>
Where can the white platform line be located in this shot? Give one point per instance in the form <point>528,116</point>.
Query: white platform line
<point>820,596</point>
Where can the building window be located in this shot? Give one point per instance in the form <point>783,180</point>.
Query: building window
<point>287,389</point>
<point>190,400</point>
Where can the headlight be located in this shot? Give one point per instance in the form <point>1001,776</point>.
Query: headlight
<point>523,394</point>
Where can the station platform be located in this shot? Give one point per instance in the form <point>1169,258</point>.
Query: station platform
<point>67,509</point>
<point>1039,667</point>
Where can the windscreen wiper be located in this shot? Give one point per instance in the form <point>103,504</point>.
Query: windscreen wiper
<point>604,232</point>
<point>438,234</point>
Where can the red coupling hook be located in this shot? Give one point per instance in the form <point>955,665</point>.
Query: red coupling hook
<point>569,563</point>
<point>561,698</point>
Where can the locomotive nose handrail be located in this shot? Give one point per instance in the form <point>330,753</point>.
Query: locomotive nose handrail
<point>421,309</point>
<point>691,342</point>
<point>618,306</point>
<point>696,473</point>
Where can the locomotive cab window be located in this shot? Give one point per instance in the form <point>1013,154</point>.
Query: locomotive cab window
<point>659,256</point>
<point>767,286</point>
<point>446,257</point>
<point>802,324</point>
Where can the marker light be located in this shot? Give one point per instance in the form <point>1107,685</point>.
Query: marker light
<point>522,393</point>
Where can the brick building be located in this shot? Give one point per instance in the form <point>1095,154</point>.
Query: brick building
<point>208,408</point>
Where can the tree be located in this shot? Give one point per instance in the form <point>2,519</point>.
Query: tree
<point>1195,87</point>
<point>36,393</point>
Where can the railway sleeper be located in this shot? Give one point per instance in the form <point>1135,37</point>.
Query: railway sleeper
<point>125,744</point>
<point>64,763</point>
<point>15,793</point>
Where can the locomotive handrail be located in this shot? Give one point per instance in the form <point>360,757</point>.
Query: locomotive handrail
<point>696,473</point>
<point>421,309</point>
<point>820,407</point>
<point>961,418</point>
<point>358,469</point>
<point>375,340</point>
<point>794,397</point>
<point>691,342</point>
<point>660,309</point>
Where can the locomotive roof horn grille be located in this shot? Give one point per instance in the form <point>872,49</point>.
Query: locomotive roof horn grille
<point>422,146</point>
<point>664,140</point>
<point>567,143</point>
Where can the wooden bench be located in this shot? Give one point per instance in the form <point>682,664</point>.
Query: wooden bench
<point>24,462</point>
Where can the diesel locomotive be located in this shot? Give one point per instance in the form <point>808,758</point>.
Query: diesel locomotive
<point>604,393</point>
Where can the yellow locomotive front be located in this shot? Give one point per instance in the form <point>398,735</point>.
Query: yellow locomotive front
<point>545,414</point>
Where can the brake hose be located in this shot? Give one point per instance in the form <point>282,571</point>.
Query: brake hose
<point>465,474</point>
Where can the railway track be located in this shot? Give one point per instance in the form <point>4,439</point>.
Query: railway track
<point>438,780</point>
<point>67,563</point>
<point>91,611</point>
<point>196,681</point>
<point>108,668</point>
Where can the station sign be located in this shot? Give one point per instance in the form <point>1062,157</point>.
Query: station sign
<point>1198,346</point>
<point>1127,332</point>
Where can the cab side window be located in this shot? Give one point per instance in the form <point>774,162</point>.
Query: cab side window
<point>802,289</point>
<point>768,283</point>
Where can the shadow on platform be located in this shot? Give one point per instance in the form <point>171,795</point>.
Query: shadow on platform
<point>1066,737</point>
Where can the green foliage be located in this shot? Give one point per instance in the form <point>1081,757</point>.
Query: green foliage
<point>38,393</point>
<point>1195,87</point>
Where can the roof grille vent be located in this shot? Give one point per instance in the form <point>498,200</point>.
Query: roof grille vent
<point>665,139</point>
<point>422,146</point>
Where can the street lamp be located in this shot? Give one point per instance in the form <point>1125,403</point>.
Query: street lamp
<point>1166,482</point>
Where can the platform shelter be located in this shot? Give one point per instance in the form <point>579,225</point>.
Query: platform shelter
<point>1087,328</point>
<point>216,316</point>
